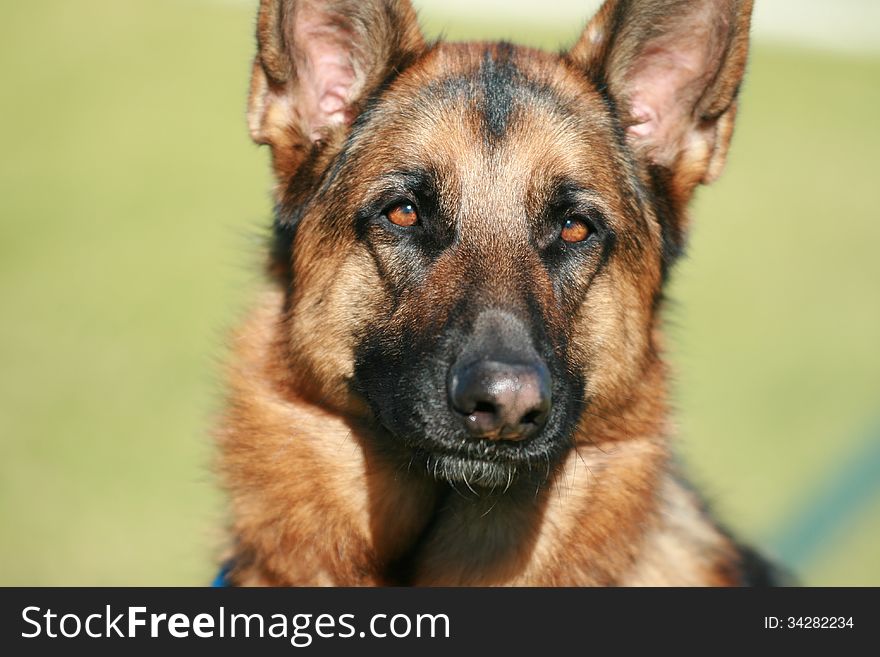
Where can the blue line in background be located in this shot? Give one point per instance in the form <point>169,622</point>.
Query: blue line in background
<point>851,488</point>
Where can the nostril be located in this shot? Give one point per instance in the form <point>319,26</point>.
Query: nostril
<point>532,417</point>
<point>485,407</point>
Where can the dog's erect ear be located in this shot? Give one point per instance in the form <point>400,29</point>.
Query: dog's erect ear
<point>317,60</point>
<point>673,67</point>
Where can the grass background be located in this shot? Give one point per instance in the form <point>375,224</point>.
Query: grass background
<point>131,215</point>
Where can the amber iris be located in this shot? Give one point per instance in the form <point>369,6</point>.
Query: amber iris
<point>575,230</point>
<point>404,215</point>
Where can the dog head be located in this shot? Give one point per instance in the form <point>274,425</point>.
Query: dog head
<point>474,238</point>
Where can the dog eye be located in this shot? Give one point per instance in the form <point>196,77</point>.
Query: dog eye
<point>575,229</point>
<point>403,215</point>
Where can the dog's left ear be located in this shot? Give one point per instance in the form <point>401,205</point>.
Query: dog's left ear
<point>673,68</point>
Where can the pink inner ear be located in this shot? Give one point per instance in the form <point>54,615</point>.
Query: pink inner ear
<point>644,118</point>
<point>662,89</point>
<point>668,76</point>
<point>326,73</point>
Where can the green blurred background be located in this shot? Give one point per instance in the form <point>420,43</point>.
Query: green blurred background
<point>132,214</point>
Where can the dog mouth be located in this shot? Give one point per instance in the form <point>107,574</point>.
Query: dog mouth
<point>486,465</point>
<point>474,473</point>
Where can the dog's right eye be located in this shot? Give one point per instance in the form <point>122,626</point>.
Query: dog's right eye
<point>402,214</point>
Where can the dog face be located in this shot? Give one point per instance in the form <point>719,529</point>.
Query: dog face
<point>474,237</point>
<point>494,227</point>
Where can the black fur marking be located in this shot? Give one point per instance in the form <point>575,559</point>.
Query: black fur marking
<point>750,567</point>
<point>404,255</point>
<point>497,88</point>
<point>568,262</point>
<point>434,231</point>
<point>363,119</point>
<point>288,214</point>
<point>671,230</point>
<point>402,371</point>
<point>756,571</point>
<point>302,186</point>
<point>281,246</point>
<point>500,84</point>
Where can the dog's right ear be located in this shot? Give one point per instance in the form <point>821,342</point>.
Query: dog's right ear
<point>317,60</point>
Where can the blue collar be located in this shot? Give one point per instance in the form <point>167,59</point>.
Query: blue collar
<point>222,579</point>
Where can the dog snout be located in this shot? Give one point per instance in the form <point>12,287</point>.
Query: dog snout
<point>500,400</point>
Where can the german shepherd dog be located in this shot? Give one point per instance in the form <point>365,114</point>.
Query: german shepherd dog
<point>455,374</point>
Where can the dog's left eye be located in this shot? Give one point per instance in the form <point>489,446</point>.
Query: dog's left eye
<point>575,229</point>
<point>403,215</point>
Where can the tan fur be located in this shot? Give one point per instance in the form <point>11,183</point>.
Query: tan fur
<point>312,501</point>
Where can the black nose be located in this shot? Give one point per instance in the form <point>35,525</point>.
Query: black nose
<point>500,401</point>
